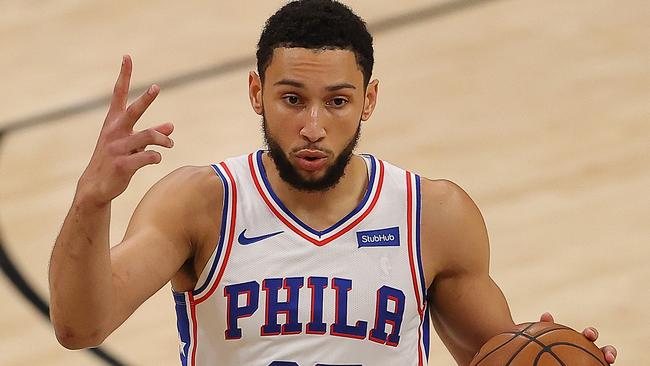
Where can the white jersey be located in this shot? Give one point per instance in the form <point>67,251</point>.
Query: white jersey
<point>277,292</point>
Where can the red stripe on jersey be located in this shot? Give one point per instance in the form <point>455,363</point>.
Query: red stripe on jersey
<point>409,225</point>
<point>419,346</point>
<point>194,326</point>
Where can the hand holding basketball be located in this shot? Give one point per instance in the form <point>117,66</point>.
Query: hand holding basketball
<point>609,352</point>
<point>120,151</point>
<point>539,344</point>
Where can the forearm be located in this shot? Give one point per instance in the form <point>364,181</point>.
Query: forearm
<point>478,312</point>
<point>80,276</point>
<point>460,351</point>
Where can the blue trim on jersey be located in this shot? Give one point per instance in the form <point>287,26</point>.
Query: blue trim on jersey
<point>224,215</point>
<point>179,298</point>
<point>418,209</point>
<point>426,329</point>
<point>425,322</point>
<point>371,181</point>
<point>183,326</point>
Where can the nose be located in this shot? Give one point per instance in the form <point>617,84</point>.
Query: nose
<point>313,129</point>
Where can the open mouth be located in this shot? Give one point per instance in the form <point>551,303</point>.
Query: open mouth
<point>311,160</point>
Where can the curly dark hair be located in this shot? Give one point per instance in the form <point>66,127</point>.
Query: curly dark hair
<point>316,24</point>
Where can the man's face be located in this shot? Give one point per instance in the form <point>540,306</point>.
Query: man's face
<point>312,103</point>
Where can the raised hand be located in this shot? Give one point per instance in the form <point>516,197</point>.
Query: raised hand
<point>591,334</point>
<point>121,151</point>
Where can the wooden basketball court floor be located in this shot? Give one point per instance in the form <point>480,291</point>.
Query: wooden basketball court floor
<point>539,109</point>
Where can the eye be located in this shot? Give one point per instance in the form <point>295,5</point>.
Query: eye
<point>292,99</point>
<point>338,102</point>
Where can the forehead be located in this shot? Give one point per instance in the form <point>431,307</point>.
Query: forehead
<point>308,66</point>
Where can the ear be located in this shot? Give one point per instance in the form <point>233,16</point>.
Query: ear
<point>370,100</point>
<point>255,92</point>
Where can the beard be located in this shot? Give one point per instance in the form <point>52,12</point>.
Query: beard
<point>290,174</point>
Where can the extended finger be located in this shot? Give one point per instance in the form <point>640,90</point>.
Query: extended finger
<point>591,333</point>
<point>137,108</point>
<point>142,139</point>
<point>165,128</point>
<point>121,89</point>
<point>610,354</point>
<point>138,160</point>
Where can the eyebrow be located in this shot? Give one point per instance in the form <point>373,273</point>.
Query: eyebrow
<point>300,85</point>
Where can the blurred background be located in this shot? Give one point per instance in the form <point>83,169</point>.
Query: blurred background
<point>539,109</point>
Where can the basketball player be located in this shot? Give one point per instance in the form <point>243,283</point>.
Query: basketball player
<point>302,254</point>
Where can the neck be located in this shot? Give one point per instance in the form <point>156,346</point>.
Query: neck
<point>322,209</point>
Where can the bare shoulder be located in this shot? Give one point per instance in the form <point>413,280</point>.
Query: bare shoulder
<point>182,198</point>
<point>182,212</point>
<point>190,180</point>
<point>200,191</point>
<point>453,231</point>
<point>447,203</point>
<point>442,191</point>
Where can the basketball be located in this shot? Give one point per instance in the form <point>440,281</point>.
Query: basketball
<point>539,344</point>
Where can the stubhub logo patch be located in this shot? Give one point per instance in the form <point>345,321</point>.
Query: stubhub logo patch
<point>388,237</point>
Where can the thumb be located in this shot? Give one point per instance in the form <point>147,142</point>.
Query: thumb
<point>547,317</point>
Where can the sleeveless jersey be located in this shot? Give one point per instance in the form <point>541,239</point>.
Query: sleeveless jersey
<point>277,292</point>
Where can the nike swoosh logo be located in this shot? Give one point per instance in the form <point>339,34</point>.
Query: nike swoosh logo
<point>243,240</point>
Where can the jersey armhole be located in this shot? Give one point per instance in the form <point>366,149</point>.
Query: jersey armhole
<point>213,270</point>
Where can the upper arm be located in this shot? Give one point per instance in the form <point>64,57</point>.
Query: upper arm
<point>163,234</point>
<point>467,307</point>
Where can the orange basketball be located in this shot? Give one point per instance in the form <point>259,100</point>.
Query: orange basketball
<point>539,344</point>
